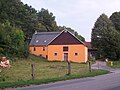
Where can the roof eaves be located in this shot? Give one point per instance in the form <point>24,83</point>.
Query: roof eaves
<point>37,45</point>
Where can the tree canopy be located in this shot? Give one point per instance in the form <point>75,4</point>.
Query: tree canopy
<point>106,38</point>
<point>25,17</point>
<point>18,22</point>
<point>115,18</point>
<point>11,40</point>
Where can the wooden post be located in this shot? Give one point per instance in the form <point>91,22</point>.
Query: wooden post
<point>69,68</point>
<point>98,64</point>
<point>33,73</point>
<point>89,63</point>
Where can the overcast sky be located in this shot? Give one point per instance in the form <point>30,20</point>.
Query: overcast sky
<point>80,15</point>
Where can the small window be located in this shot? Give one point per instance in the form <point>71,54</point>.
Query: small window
<point>65,48</point>
<point>55,54</point>
<point>43,48</point>
<point>76,54</point>
<point>34,49</point>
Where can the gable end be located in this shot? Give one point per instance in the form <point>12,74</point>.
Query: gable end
<point>65,38</point>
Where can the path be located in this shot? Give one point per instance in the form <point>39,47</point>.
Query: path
<point>102,65</point>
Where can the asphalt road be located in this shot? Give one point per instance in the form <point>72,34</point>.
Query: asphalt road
<point>104,82</point>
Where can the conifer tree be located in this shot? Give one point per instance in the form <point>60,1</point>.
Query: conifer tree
<point>115,18</point>
<point>105,37</point>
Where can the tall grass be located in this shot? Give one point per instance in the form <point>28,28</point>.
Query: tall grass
<point>20,72</point>
<point>21,69</point>
<point>41,81</point>
<point>115,64</point>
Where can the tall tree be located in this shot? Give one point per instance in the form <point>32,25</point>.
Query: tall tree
<point>115,18</point>
<point>105,37</point>
<point>11,40</point>
<point>19,15</point>
<point>27,18</point>
<point>47,20</point>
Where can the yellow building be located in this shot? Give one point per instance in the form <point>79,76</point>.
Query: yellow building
<point>58,46</point>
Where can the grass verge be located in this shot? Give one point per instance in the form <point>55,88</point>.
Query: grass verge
<point>114,64</point>
<point>41,81</point>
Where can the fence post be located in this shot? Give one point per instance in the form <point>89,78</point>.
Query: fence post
<point>33,71</point>
<point>98,64</point>
<point>89,63</point>
<point>69,68</point>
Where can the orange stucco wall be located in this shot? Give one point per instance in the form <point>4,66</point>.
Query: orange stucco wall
<point>38,51</point>
<point>80,49</point>
<point>52,49</point>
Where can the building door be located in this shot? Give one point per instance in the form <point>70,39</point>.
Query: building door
<point>65,56</point>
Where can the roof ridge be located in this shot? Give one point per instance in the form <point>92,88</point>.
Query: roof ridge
<point>46,33</point>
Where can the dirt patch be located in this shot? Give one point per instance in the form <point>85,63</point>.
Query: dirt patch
<point>58,67</point>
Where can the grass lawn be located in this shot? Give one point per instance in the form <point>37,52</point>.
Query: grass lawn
<point>20,72</point>
<point>116,64</point>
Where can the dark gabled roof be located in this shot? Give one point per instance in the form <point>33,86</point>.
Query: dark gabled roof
<point>65,38</point>
<point>43,38</point>
<point>54,38</point>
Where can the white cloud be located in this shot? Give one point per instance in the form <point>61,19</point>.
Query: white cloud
<point>77,14</point>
